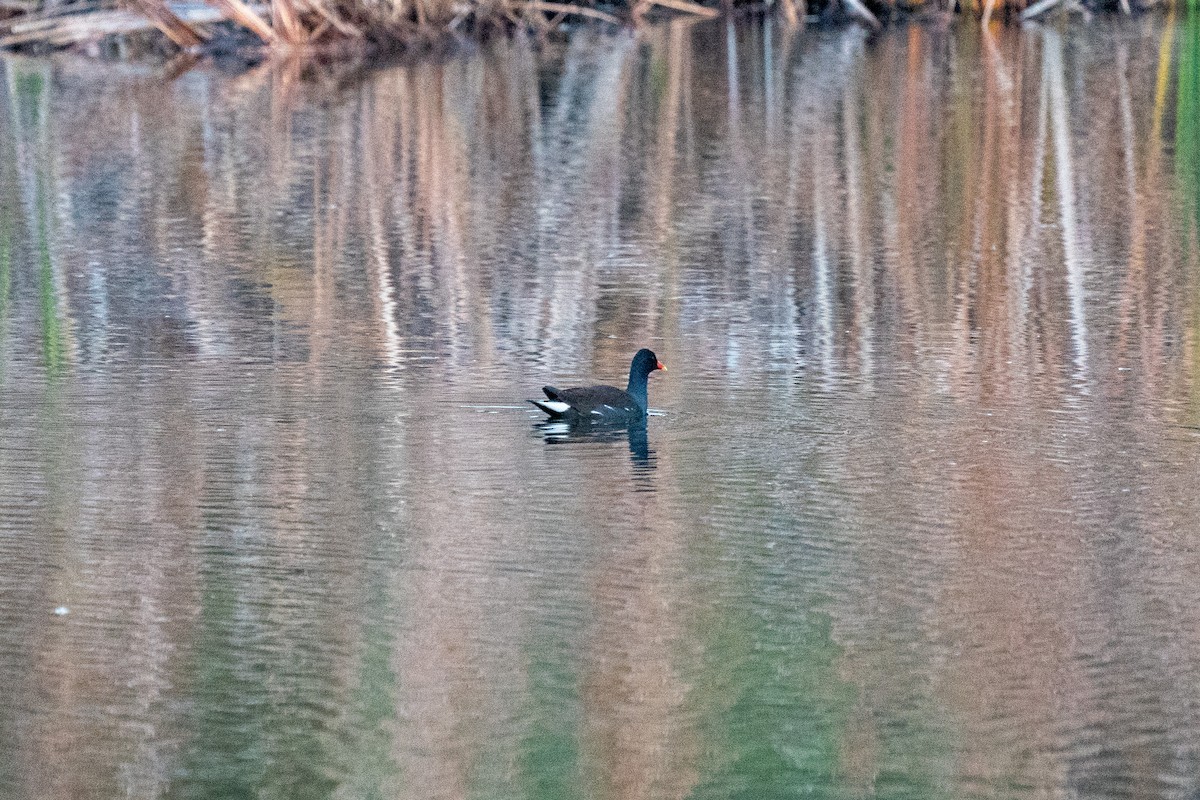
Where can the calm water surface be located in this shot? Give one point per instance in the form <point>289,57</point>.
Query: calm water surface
<point>919,519</point>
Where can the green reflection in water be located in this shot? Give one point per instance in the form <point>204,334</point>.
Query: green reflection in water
<point>549,767</point>
<point>9,736</point>
<point>778,713</point>
<point>259,724</point>
<point>371,770</point>
<point>31,96</point>
<point>9,203</point>
<point>1187,125</point>
<point>53,336</point>
<point>781,709</point>
<point>1187,143</point>
<point>786,731</point>
<point>224,758</point>
<point>6,250</point>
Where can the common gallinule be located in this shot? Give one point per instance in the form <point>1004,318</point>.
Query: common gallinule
<point>604,405</point>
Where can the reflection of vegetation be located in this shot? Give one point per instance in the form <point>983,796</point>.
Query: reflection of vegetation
<point>6,257</point>
<point>1187,125</point>
<point>30,97</point>
<point>8,212</point>
<point>787,709</point>
<point>370,768</point>
<point>230,718</point>
<point>916,736</point>
<point>28,93</point>
<point>774,711</point>
<point>782,715</point>
<point>258,728</point>
<point>53,341</point>
<point>784,711</point>
<point>550,751</point>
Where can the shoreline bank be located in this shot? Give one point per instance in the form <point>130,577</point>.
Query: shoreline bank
<point>350,29</point>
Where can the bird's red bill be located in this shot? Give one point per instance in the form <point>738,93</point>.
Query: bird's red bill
<point>661,366</point>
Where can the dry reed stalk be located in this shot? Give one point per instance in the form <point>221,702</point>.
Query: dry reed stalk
<point>331,19</point>
<point>33,14</point>
<point>34,23</point>
<point>286,22</point>
<point>570,8</point>
<point>242,14</point>
<point>531,17</point>
<point>688,7</point>
<point>179,65</point>
<point>514,16</point>
<point>65,30</point>
<point>320,31</point>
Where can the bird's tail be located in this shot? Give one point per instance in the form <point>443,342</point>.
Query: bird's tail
<point>555,408</point>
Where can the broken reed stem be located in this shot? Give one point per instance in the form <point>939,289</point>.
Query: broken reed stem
<point>688,7</point>
<point>286,21</point>
<point>175,29</point>
<point>242,14</point>
<point>569,8</point>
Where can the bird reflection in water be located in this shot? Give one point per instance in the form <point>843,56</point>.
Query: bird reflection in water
<point>640,454</point>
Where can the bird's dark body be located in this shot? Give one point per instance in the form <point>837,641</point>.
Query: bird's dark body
<point>596,405</point>
<point>604,405</point>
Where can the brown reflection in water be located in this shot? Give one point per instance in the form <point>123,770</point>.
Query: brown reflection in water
<point>636,737</point>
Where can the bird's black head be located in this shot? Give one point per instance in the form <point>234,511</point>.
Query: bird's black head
<point>646,362</point>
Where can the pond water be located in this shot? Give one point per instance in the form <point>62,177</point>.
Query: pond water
<point>918,518</point>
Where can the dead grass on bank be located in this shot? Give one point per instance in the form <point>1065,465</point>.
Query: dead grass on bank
<point>196,25</point>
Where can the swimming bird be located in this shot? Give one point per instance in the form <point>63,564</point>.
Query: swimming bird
<point>604,405</point>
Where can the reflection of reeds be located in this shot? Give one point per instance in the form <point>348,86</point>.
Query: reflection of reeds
<point>8,214</point>
<point>863,181</point>
<point>1064,173</point>
<point>856,228</point>
<point>29,97</point>
<point>6,253</point>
